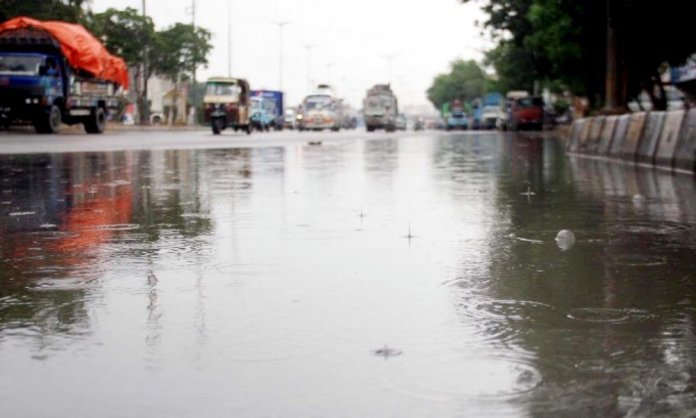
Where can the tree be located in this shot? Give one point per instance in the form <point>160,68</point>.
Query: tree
<point>603,49</point>
<point>514,66</point>
<point>65,10</point>
<point>465,81</point>
<point>179,50</point>
<point>117,29</point>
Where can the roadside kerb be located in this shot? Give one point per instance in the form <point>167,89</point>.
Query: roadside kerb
<point>620,132</point>
<point>669,139</point>
<point>583,133</point>
<point>685,153</point>
<point>575,132</point>
<point>606,135</point>
<point>651,137</point>
<point>636,125</point>
<point>593,137</point>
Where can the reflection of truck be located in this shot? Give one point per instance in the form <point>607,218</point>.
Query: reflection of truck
<point>320,110</point>
<point>267,109</point>
<point>380,108</point>
<point>56,72</point>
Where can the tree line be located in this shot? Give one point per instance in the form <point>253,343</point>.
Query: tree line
<point>173,53</point>
<point>609,51</point>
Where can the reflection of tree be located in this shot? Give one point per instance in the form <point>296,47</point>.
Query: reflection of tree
<point>610,323</point>
<point>168,186</point>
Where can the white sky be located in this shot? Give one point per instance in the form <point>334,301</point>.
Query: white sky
<point>351,41</point>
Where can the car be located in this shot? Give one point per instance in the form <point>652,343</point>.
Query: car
<point>419,124</point>
<point>490,116</point>
<point>401,122</point>
<point>289,119</point>
<point>457,120</point>
<point>527,112</point>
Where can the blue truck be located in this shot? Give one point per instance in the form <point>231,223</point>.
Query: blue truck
<point>42,86</point>
<point>267,111</point>
<point>491,110</point>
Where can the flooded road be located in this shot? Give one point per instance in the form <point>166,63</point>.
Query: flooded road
<point>421,275</point>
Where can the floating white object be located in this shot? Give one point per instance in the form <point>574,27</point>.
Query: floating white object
<point>565,239</point>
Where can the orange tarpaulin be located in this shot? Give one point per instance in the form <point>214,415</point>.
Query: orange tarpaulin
<point>80,48</point>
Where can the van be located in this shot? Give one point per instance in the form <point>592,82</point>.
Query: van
<point>527,113</point>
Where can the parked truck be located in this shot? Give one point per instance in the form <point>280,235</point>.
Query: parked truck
<point>267,109</point>
<point>57,72</point>
<point>380,108</point>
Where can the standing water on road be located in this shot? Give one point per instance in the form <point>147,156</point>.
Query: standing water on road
<point>418,276</point>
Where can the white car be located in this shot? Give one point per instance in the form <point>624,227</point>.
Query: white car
<point>289,119</point>
<point>490,117</point>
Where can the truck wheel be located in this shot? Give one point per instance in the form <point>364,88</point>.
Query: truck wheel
<point>248,129</point>
<point>49,123</point>
<point>370,129</point>
<point>96,122</point>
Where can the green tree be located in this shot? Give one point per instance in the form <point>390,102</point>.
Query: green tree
<point>179,50</point>
<point>515,68</point>
<point>589,45</point>
<point>465,81</point>
<point>117,29</point>
<point>65,10</point>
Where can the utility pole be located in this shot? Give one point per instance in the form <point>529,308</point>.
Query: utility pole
<point>309,62</point>
<point>229,38</point>
<point>281,25</point>
<point>143,105</point>
<point>193,26</point>
<point>389,59</point>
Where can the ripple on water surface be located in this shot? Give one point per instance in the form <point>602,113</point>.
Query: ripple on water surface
<point>501,322</point>
<point>476,378</point>
<point>617,316</point>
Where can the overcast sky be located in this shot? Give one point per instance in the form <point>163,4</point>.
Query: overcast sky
<point>351,43</point>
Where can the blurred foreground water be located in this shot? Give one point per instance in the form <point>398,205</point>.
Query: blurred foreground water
<point>419,276</point>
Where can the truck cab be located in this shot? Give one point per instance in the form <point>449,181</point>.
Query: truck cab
<point>38,86</point>
<point>320,111</point>
<point>380,108</point>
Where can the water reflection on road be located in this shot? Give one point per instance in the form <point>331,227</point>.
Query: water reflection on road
<point>262,281</point>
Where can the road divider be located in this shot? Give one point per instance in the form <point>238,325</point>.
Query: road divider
<point>666,139</point>
<point>606,135</point>
<point>619,136</point>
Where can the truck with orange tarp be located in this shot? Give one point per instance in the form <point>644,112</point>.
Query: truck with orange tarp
<point>55,72</point>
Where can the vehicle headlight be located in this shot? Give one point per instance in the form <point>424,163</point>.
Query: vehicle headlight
<point>300,117</point>
<point>27,101</point>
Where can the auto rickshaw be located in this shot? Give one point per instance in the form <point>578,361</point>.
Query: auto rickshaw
<point>226,104</point>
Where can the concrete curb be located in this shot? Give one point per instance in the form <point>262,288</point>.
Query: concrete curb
<point>664,139</point>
